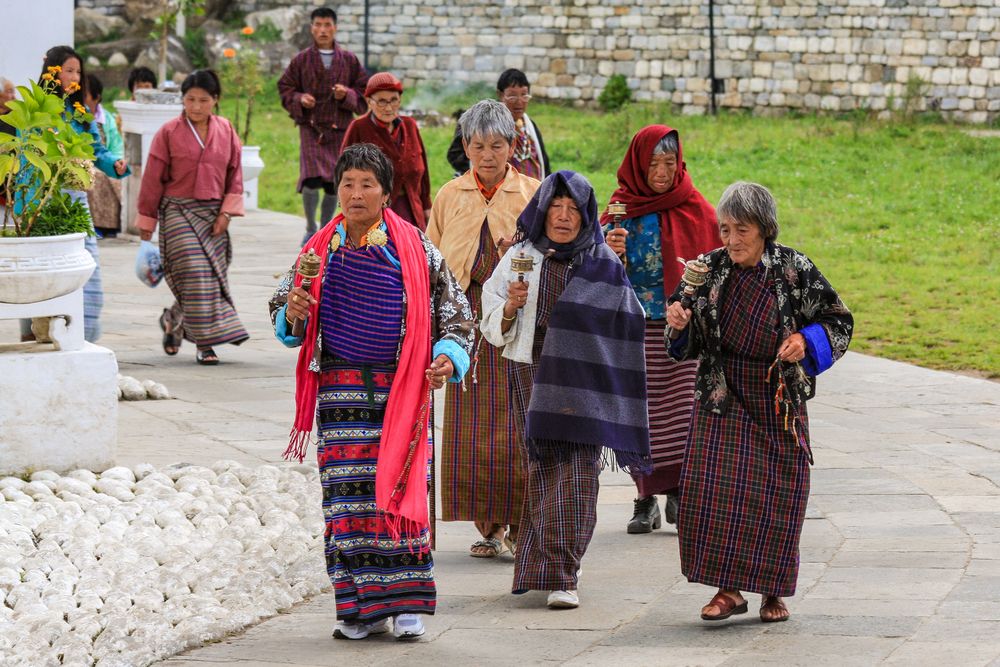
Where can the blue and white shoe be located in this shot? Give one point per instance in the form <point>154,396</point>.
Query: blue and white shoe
<point>350,630</point>
<point>407,626</point>
<point>356,630</point>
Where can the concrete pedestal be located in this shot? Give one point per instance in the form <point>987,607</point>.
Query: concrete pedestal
<point>58,410</point>
<point>252,166</point>
<point>140,122</point>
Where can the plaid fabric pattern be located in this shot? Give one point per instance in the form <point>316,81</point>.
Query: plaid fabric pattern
<point>482,476</point>
<point>373,577</point>
<point>560,513</point>
<point>196,267</point>
<point>560,504</point>
<point>670,394</point>
<point>745,481</point>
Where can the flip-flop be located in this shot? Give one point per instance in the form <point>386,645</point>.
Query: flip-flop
<point>727,607</point>
<point>207,357</point>
<point>170,343</point>
<point>493,544</point>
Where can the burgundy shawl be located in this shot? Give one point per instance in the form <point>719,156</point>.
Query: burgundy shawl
<point>410,177</point>
<point>688,226</point>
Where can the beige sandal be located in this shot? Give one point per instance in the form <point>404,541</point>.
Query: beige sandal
<point>493,548</point>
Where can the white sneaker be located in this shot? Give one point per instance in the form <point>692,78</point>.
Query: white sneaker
<point>349,630</point>
<point>563,600</point>
<point>407,626</point>
<point>378,627</point>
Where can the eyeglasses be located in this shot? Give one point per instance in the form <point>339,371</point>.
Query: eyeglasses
<point>385,104</point>
<point>514,98</point>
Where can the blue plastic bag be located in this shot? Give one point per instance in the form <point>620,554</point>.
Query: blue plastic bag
<point>148,266</point>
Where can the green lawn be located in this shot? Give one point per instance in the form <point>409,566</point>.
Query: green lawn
<point>903,219</point>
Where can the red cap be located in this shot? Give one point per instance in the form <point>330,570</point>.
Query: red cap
<point>383,81</point>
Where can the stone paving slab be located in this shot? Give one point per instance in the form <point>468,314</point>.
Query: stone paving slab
<point>900,553</point>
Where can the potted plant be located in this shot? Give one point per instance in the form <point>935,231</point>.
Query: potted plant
<point>42,254</point>
<point>242,82</point>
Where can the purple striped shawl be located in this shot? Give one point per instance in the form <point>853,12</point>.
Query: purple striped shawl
<point>590,386</point>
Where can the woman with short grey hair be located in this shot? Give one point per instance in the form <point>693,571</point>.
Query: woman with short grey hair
<point>666,221</point>
<point>764,325</point>
<point>473,220</point>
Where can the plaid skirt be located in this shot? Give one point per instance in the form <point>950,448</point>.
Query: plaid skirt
<point>482,477</point>
<point>745,481</point>
<point>670,391</point>
<point>196,267</point>
<point>373,576</point>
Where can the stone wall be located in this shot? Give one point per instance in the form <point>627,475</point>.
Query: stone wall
<point>771,56</point>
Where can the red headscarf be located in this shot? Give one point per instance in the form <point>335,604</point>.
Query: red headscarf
<point>688,226</point>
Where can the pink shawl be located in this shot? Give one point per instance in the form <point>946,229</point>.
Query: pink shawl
<point>401,471</point>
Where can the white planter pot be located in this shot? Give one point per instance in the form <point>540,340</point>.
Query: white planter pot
<point>252,166</point>
<point>44,267</point>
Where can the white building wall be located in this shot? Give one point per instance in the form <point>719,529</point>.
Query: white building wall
<point>30,28</point>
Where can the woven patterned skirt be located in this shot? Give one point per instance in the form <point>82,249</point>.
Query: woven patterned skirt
<point>481,472</point>
<point>745,482</point>
<point>373,577</point>
<point>196,267</point>
<point>670,388</point>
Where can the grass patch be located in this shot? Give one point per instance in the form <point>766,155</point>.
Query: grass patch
<point>904,219</point>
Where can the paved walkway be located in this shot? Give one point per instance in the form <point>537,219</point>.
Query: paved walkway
<point>900,553</point>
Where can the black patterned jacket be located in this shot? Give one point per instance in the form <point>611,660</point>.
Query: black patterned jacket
<point>804,297</point>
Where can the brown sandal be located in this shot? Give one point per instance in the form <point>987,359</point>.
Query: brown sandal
<point>773,604</point>
<point>727,607</point>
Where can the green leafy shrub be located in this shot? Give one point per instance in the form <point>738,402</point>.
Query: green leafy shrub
<point>266,33</point>
<point>616,93</point>
<point>194,44</point>
<point>46,156</point>
<point>62,215</point>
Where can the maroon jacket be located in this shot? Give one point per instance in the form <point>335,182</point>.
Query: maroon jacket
<point>409,160</point>
<point>321,129</point>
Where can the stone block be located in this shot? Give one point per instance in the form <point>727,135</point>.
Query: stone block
<point>60,410</point>
<point>979,76</point>
<point>763,43</point>
<point>957,48</point>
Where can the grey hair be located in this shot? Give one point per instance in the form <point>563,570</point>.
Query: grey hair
<point>668,144</point>
<point>488,118</point>
<point>750,203</point>
<point>366,157</point>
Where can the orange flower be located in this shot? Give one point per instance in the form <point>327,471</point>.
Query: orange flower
<point>229,53</point>
<point>79,107</point>
<point>54,69</point>
<point>47,77</point>
<point>247,30</point>
<point>72,87</point>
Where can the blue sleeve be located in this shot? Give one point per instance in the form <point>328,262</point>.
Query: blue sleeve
<point>678,345</point>
<point>103,158</point>
<point>819,356</point>
<point>281,329</point>
<point>459,357</point>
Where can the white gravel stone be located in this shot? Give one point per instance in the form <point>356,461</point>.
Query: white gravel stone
<point>135,565</point>
<point>132,389</point>
<point>155,390</point>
